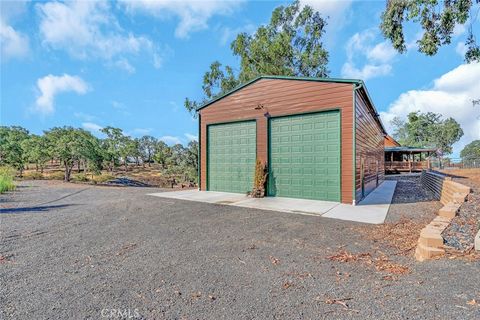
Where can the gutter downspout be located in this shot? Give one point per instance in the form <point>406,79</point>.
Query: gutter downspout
<point>356,86</point>
<point>199,151</point>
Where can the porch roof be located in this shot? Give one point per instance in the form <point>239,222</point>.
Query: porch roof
<point>409,149</point>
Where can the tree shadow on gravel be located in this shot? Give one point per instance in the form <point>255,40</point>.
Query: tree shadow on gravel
<point>33,209</point>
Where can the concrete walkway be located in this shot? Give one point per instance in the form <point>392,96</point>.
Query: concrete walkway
<point>373,209</point>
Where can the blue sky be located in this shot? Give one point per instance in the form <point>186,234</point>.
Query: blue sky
<point>132,64</point>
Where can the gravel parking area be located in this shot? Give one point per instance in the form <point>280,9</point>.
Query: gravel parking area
<point>83,252</point>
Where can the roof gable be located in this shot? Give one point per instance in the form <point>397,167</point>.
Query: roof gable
<point>331,80</point>
<point>358,84</point>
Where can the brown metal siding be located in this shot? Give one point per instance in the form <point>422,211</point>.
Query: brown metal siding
<point>369,146</point>
<point>284,97</point>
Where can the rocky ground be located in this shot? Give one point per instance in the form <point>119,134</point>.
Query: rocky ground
<point>460,234</point>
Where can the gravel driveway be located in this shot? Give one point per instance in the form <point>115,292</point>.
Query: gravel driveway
<point>83,252</point>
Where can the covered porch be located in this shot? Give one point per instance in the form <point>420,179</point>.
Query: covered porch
<point>407,159</point>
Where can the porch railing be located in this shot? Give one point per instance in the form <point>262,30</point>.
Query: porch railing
<point>409,166</point>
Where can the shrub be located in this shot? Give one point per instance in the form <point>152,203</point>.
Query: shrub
<point>6,179</point>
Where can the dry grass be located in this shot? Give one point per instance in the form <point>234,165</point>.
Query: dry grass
<point>153,175</point>
<point>471,174</point>
<point>380,263</point>
<point>402,235</point>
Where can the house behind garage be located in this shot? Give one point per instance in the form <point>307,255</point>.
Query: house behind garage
<point>321,138</point>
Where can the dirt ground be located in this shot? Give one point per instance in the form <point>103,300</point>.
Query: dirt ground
<point>469,176</point>
<point>86,252</point>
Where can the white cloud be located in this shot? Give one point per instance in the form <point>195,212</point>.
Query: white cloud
<point>170,140</point>
<point>84,116</point>
<point>461,49</point>
<point>13,43</point>
<point>378,57</point>
<point>228,34</point>
<point>49,86</point>
<point>413,44</point>
<point>12,9</point>
<point>459,29</point>
<point>141,131</point>
<point>87,29</point>
<point>193,14</point>
<point>382,52</point>
<point>368,71</point>
<point>451,96</point>
<point>123,64</point>
<point>191,137</point>
<point>90,126</point>
<point>157,61</point>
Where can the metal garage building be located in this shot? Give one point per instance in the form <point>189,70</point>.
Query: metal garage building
<point>321,138</point>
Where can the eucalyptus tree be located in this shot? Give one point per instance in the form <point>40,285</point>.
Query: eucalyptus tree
<point>289,45</point>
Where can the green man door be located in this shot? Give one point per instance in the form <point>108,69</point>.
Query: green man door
<point>305,156</point>
<point>231,156</point>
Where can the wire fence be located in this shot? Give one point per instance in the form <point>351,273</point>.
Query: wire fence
<point>455,163</point>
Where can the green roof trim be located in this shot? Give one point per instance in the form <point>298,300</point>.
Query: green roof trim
<point>334,80</point>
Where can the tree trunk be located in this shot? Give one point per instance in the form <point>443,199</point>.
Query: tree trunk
<point>78,166</point>
<point>126,165</point>
<point>68,171</point>
<point>36,167</point>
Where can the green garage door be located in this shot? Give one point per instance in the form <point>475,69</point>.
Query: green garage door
<point>305,156</point>
<point>231,156</point>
